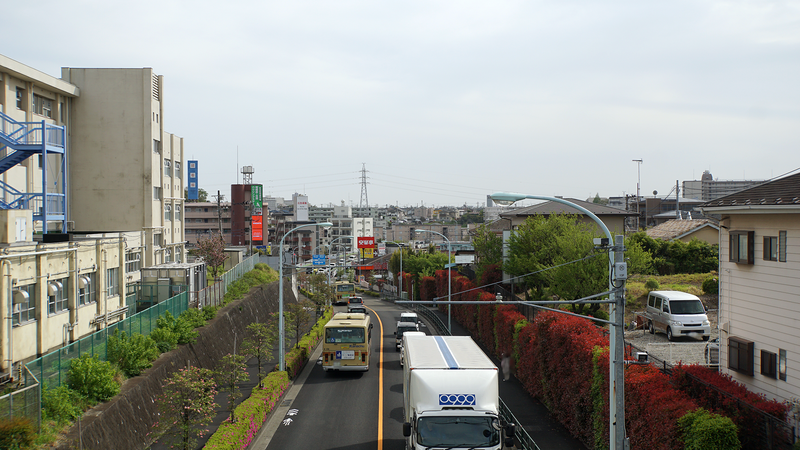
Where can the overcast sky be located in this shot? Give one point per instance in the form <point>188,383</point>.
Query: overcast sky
<point>445,102</point>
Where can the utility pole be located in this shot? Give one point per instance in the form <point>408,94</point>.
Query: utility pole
<point>219,211</point>
<point>638,183</point>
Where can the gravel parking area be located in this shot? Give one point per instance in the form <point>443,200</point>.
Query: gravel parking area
<point>684,349</point>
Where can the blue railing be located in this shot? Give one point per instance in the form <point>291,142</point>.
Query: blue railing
<point>31,134</point>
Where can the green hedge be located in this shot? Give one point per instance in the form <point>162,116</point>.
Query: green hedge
<point>299,354</point>
<point>250,415</point>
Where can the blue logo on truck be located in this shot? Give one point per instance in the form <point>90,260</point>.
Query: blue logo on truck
<point>456,399</point>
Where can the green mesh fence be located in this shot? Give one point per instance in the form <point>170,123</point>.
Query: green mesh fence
<point>23,402</point>
<point>51,369</point>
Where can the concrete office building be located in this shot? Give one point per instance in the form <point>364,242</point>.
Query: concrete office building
<point>91,193</point>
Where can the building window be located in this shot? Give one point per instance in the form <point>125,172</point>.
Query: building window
<point>42,106</point>
<point>20,98</point>
<point>741,247</point>
<point>86,289</point>
<point>157,240</point>
<point>156,193</point>
<point>112,281</point>
<point>769,364</point>
<point>740,355</point>
<point>770,248</point>
<point>178,173</point>
<point>167,168</point>
<point>133,262</point>
<point>178,212</point>
<point>782,364</point>
<point>782,246</point>
<point>24,304</point>
<point>167,212</point>
<point>56,296</point>
<point>167,255</point>
<point>156,146</point>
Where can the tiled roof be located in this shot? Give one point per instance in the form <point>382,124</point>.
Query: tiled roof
<point>674,228</point>
<point>552,207</point>
<point>783,191</point>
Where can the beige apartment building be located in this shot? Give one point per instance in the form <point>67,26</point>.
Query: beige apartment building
<point>759,301</point>
<point>91,192</point>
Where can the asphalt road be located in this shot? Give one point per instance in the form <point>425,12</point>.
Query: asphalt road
<point>342,410</point>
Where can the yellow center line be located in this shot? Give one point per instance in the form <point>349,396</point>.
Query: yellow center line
<point>380,384</point>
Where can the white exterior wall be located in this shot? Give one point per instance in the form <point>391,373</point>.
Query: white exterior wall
<point>38,265</point>
<point>113,167</point>
<point>760,302</point>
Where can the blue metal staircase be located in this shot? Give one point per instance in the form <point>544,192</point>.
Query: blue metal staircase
<point>21,140</point>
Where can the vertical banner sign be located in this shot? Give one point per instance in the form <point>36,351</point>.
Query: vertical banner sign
<point>194,192</point>
<point>366,245</point>
<point>257,229</point>
<point>255,197</point>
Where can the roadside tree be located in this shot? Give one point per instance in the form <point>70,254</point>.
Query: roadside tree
<point>260,341</point>
<point>231,370</point>
<point>186,407</point>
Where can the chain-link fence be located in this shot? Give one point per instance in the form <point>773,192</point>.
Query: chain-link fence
<point>24,401</point>
<point>51,369</point>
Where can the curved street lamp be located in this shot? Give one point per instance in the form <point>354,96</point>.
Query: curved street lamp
<point>616,338</point>
<point>281,331</point>
<point>448,267</point>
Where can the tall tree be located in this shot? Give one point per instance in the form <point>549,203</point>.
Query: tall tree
<point>231,370</point>
<point>488,249</point>
<point>212,250</point>
<point>296,317</point>
<point>259,342</point>
<point>186,406</point>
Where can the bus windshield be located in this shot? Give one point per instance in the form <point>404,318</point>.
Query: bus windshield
<point>344,335</point>
<point>345,287</point>
<point>458,432</point>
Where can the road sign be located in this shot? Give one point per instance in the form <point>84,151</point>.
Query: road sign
<point>318,260</point>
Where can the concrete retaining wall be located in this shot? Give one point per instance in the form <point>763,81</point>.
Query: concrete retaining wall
<point>125,422</point>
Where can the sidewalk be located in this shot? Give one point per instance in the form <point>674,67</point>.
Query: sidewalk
<point>533,416</point>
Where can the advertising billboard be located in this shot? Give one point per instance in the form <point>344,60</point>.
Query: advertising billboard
<point>192,187</point>
<point>257,229</point>
<point>366,242</point>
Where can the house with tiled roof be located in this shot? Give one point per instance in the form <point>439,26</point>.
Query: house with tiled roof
<point>759,286</point>
<point>613,218</point>
<point>685,230</point>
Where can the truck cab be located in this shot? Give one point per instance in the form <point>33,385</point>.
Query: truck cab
<point>450,396</point>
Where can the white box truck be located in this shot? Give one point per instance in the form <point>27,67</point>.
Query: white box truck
<point>450,396</point>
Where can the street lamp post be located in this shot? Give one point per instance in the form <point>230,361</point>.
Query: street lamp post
<point>617,302</point>
<point>448,267</point>
<point>281,333</point>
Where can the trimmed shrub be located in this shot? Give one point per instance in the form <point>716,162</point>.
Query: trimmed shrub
<point>182,328</point>
<point>703,430</point>
<point>164,338</point>
<point>651,285</point>
<point>92,378</point>
<point>62,404</point>
<point>711,285</point>
<point>132,355</point>
<point>194,317</point>
<point>16,433</point>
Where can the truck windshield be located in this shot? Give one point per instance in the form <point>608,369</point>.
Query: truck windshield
<point>452,432</point>
<point>686,307</point>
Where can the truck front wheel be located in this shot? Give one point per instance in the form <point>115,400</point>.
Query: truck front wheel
<point>670,337</point>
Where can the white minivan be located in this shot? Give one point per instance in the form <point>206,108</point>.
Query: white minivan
<point>677,314</point>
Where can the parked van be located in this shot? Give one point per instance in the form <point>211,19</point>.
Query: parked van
<point>677,314</point>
